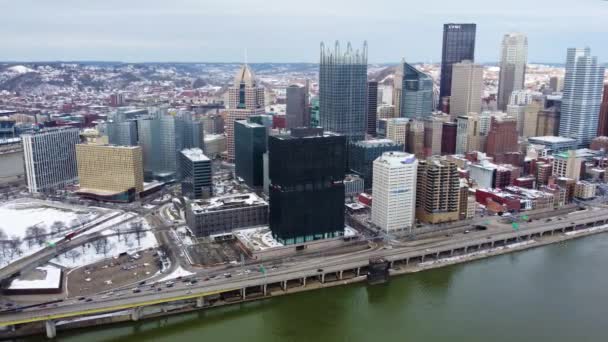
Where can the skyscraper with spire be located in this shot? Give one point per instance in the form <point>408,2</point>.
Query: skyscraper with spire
<point>245,98</point>
<point>513,61</point>
<point>343,91</point>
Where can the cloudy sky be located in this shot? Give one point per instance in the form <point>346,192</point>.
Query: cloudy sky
<point>288,30</point>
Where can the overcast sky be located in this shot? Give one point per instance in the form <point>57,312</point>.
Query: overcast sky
<point>288,30</point>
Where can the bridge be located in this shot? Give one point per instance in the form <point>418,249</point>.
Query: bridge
<point>208,292</point>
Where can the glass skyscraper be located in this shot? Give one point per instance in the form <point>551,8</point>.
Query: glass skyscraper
<point>582,96</point>
<point>343,91</point>
<point>458,45</point>
<point>416,92</point>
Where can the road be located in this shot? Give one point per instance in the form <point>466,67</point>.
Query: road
<point>306,268</point>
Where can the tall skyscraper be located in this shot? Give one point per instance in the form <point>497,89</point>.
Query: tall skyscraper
<point>397,129</point>
<point>438,189</point>
<point>602,128</point>
<point>372,107</point>
<point>343,91</point>
<point>110,173</point>
<point>394,190</point>
<point>458,45</point>
<point>513,61</point>
<point>298,107</point>
<point>50,158</point>
<point>556,83</point>
<point>161,139</point>
<point>582,96</point>
<point>467,85</point>
<point>245,98</point>
<point>306,171</point>
<point>415,92</point>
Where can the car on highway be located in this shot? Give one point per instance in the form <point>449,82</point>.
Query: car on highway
<point>136,290</point>
<point>88,300</point>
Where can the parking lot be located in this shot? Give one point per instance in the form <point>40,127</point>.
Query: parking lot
<point>112,273</point>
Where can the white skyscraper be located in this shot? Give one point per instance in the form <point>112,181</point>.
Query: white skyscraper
<point>394,189</point>
<point>50,158</point>
<point>513,61</point>
<point>467,85</point>
<point>582,97</point>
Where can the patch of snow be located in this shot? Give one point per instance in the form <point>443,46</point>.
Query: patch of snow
<point>115,244</point>
<point>20,69</point>
<point>179,272</point>
<point>51,280</point>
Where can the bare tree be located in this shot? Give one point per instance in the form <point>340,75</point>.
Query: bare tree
<point>138,229</point>
<point>14,246</point>
<point>35,234</point>
<point>73,254</point>
<point>3,242</point>
<point>101,246</point>
<point>57,227</point>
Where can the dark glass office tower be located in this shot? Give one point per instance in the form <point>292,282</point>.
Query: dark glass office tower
<point>458,45</point>
<point>372,106</point>
<point>249,149</point>
<point>306,171</point>
<point>343,91</point>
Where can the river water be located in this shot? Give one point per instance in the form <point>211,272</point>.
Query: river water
<point>552,293</point>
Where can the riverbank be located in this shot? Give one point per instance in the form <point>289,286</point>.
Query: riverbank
<point>180,308</point>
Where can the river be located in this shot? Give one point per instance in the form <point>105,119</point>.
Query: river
<point>553,293</point>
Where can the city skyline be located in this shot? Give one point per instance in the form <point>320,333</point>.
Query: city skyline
<point>216,32</point>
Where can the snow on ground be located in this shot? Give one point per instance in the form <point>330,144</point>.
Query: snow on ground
<point>588,230</point>
<point>179,272</point>
<point>110,246</point>
<point>17,218</point>
<point>47,277</point>
<point>184,235</point>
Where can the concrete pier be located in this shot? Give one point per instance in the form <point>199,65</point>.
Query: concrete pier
<point>51,330</point>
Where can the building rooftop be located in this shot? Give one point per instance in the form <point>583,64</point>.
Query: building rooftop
<point>250,124</point>
<point>396,159</point>
<point>209,137</point>
<point>227,202</point>
<point>553,139</point>
<point>195,154</point>
<point>376,143</point>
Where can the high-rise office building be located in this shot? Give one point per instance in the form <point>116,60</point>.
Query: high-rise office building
<point>415,138</point>
<point>397,129</point>
<point>467,85</point>
<point>530,124</point>
<point>249,148</point>
<point>306,171</point>
<point>196,174</point>
<point>161,140</point>
<point>449,133</point>
<point>582,96</point>
<point>433,130</point>
<point>50,158</point>
<point>110,173</point>
<point>501,138</point>
<point>458,45</point>
<point>394,190</point>
<point>245,98</point>
<point>372,107</point>
<point>513,61</point>
<point>343,91</point>
<point>193,130</point>
<point>298,107</point>
<point>556,83</point>
<point>415,92</point>
<point>438,189</point>
<point>468,134</point>
<point>602,127</point>
<point>363,153</point>
<point>122,133</point>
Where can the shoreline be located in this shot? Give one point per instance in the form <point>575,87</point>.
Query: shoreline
<point>175,309</point>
